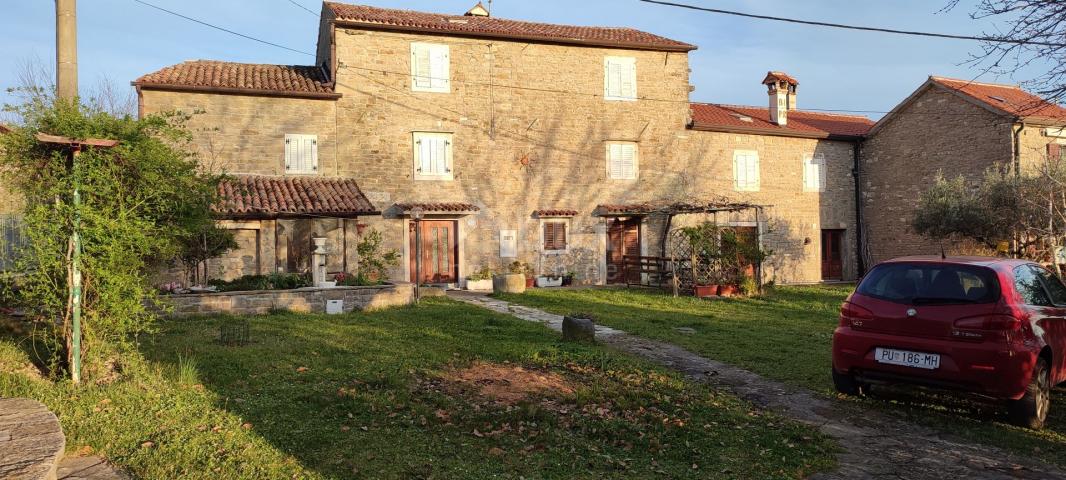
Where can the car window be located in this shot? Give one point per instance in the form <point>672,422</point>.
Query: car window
<point>1054,286</point>
<point>1029,287</point>
<point>930,284</point>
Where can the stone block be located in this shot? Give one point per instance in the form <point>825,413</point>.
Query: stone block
<point>579,329</point>
<point>509,283</point>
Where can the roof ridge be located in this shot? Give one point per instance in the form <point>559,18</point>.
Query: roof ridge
<point>227,62</point>
<point>974,82</point>
<point>480,19</point>
<point>815,112</point>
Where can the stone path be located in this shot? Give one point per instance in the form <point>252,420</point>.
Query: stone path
<point>32,444</point>
<point>875,445</point>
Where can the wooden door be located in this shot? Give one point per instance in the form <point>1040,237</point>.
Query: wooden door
<point>623,239</point>
<point>832,254</point>
<point>439,252</point>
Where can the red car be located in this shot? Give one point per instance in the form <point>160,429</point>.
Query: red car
<point>991,326</point>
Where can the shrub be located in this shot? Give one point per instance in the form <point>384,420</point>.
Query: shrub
<point>374,260</point>
<point>485,273</point>
<point>273,281</point>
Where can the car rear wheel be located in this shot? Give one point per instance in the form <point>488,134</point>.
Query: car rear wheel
<point>846,384</point>
<point>1030,411</point>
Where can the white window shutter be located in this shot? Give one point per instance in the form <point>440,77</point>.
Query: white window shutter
<point>439,68</point>
<point>614,164</point>
<point>629,161</point>
<point>753,172</point>
<point>291,152</point>
<point>421,66</point>
<point>820,162</point>
<point>614,80</point>
<point>629,80</point>
<point>313,153</point>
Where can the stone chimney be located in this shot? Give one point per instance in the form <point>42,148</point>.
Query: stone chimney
<point>782,90</point>
<point>479,10</point>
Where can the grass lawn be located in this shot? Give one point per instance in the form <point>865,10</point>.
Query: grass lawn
<point>443,390</point>
<point>787,336</point>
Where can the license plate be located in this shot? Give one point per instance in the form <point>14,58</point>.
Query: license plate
<point>906,358</point>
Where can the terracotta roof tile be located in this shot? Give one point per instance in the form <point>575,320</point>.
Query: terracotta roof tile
<point>1009,98</point>
<point>408,20</point>
<point>780,77</point>
<point>555,212</point>
<point>717,117</point>
<point>241,77</point>
<point>272,197</point>
<point>440,207</point>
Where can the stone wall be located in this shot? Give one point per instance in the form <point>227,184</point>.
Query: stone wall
<point>938,133</point>
<point>303,300</point>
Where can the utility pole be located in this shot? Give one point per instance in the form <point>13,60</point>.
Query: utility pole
<point>66,49</point>
<point>67,90</point>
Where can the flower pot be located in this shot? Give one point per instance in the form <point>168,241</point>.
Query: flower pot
<point>545,281</point>
<point>509,283</point>
<point>531,282</point>
<point>482,285</point>
<point>568,280</point>
<point>703,291</point>
<point>727,290</point>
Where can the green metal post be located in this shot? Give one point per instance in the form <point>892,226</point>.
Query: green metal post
<point>75,284</point>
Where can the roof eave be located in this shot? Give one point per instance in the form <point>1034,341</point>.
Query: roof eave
<point>759,131</point>
<point>292,215</point>
<point>683,47</point>
<point>1044,121</point>
<point>237,91</point>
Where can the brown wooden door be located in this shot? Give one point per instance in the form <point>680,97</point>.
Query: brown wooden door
<point>832,254</point>
<point>623,239</point>
<point>440,250</point>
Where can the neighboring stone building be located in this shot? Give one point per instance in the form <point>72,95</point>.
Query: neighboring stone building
<point>950,127</point>
<point>560,146</point>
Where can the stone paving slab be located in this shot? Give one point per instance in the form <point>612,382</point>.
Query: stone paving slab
<point>875,445</point>
<point>31,440</point>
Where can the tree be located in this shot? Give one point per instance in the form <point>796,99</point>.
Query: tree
<point>141,201</point>
<point>1035,34</point>
<point>1028,211</point>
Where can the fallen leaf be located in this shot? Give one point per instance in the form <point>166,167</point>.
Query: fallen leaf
<point>496,451</point>
<point>148,444</point>
<point>302,369</point>
<point>247,426</point>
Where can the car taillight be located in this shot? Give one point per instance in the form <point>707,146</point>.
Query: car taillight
<point>852,315</point>
<point>985,325</point>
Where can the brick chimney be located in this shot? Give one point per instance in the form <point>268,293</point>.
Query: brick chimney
<point>782,90</point>
<point>479,10</point>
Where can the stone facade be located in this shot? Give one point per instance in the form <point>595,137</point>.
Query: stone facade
<point>303,300</point>
<point>937,132</point>
<point>529,128</point>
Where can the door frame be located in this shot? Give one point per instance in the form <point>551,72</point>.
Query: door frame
<point>840,234</point>
<point>460,239</point>
<point>639,220</point>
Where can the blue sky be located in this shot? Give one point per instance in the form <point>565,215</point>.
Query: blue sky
<point>837,69</point>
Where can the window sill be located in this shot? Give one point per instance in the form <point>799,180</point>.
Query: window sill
<point>620,99</point>
<point>301,172</point>
<point>554,252</point>
<point>433,179</point>
<point>431,90</point>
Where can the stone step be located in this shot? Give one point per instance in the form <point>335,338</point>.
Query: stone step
<point>88,468</point>
<point>31,440</point>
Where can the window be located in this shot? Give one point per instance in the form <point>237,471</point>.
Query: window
<point>301,153</point>
<point>622,160</point>
<point>746,170</point>
<point>1028,286</point>
<point>433,156</point>
<point>620,78</point>
<point>430,70</point>
<point>1055,151</point>
<point>814,173</point>
<point>1055,289</point>
<point>930,284</point>
<point>554,235</point>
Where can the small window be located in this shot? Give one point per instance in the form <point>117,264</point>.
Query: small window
<point>620,78</point>
<point>1029,287</point>
<point>746,170</point>
<point>814,173</point>
<point>301,153</point>
<point>433,156</point>
<point>430,69</point>
<point>622,160</point>
<point>554,235</point>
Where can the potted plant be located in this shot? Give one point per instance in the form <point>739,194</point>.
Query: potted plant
<point>523,268</point>
<point>568,278</point>
<point>479,280</point>
<point>705,256</point>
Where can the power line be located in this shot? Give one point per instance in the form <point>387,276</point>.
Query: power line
<point>516,87</point>
<point>855,27</point>
<point>308,10</point>
<point>249,37</point>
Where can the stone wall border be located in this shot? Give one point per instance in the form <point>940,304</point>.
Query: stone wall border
<point>300,300</point>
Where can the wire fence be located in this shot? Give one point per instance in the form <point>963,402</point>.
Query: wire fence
<point>12,240</point>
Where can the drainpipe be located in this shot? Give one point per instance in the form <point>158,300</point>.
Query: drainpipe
<point>856,169</point>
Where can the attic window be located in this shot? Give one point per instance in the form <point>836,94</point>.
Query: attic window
<point>998,99</point>
<point>743,118</point>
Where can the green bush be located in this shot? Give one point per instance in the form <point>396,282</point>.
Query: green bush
<point>484,273</point>
<point>374,260</point>
<point>273,281</point>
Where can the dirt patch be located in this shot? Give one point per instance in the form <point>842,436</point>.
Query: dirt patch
<point>508,384</point>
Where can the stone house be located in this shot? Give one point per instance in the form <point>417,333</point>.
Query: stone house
<point>565,147</point>
<point>950,127</point>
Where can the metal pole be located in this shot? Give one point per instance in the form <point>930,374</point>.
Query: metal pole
<point>418,259</point>
<point>66,49</point>
<point>75,268</point>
